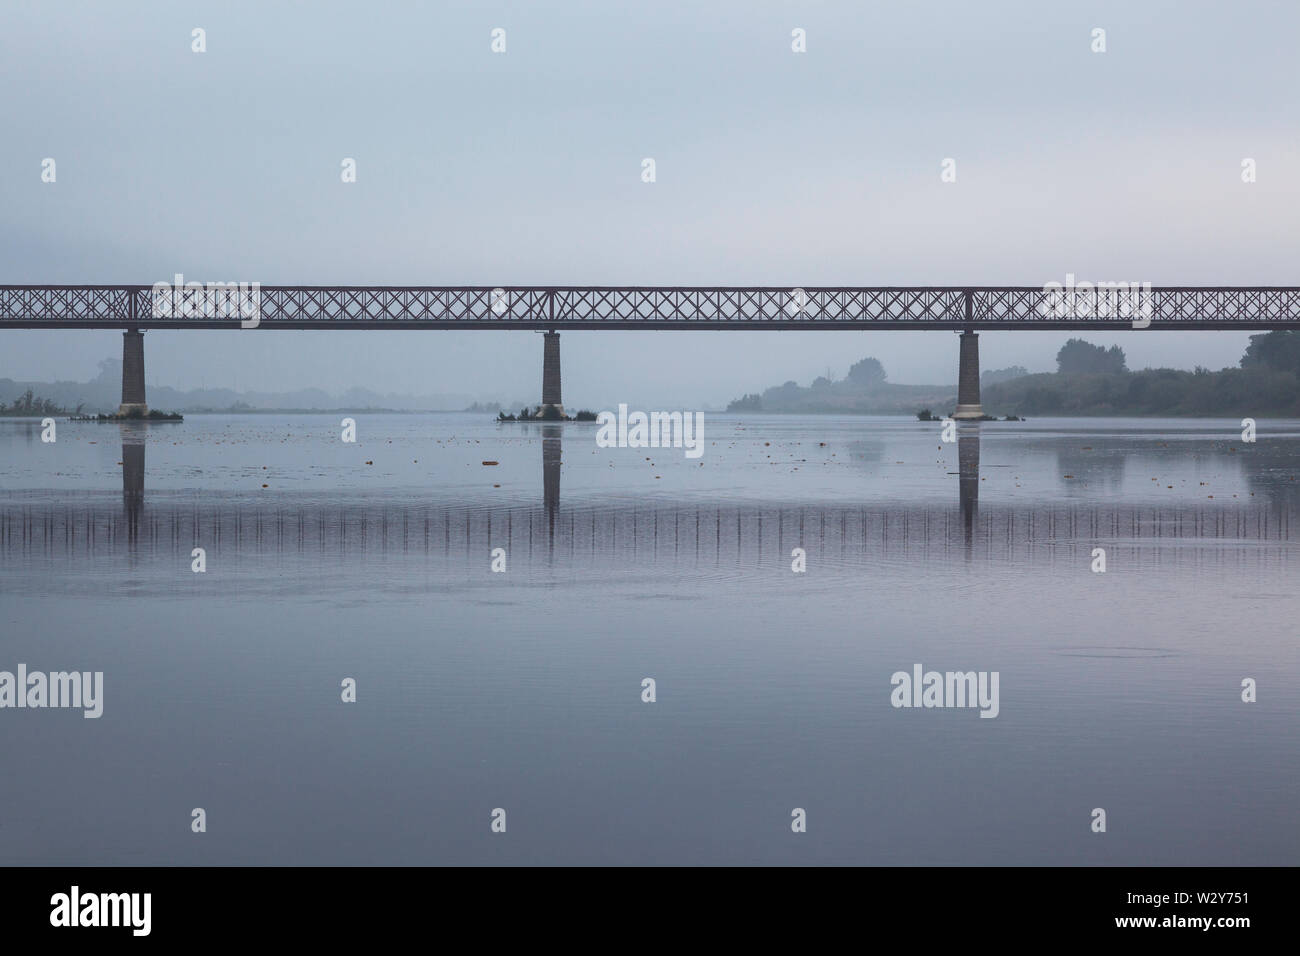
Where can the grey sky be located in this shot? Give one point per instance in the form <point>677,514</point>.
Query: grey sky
<point>773,168</point>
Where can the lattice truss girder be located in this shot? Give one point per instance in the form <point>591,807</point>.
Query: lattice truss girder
<point>614,305</point>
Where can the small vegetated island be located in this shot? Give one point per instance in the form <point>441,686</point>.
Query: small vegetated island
<point>135,415</point>
<point>548,413</point>
<point>1089,380</point>
<point>29,405</point>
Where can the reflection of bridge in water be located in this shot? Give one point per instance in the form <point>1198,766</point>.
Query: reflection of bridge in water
<point>602,532</point>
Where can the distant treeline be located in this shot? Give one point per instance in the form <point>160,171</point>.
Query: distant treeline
<point>864,391</point>
<point>1089,380</point>
<point>1152,391</point>
<point>104,391</point>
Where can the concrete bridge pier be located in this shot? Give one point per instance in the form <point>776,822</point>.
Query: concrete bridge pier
<point>133,374</point>
<point>968,378</point>
<point>551,374</point>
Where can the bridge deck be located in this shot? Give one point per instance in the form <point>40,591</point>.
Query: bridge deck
<point>658,307</point>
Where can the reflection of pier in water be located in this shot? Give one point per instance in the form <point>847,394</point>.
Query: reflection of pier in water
<point>610,532</point>
<point>133,438</point>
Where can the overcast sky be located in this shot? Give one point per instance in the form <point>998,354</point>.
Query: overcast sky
<point>773,168</point>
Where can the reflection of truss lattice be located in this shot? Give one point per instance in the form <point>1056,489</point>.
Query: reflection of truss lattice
<point>571,307</point>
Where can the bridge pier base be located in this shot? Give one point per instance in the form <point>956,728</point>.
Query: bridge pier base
<point>552,406</point>
<point>968,378</point>
<point>133,374</point>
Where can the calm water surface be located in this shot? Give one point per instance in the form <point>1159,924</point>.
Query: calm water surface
<point>522,690</point>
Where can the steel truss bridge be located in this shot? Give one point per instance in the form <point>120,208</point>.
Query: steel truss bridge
<point>651,307</point>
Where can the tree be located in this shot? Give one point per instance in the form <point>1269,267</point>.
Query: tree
<point>1278,350</point>
<point>779,394</point>
<point>28,405</point>
<point>1077,355</point>
<point>996,375</point>
<point>110,370</point>
<point>749,403</point>
<point>867,374</point>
